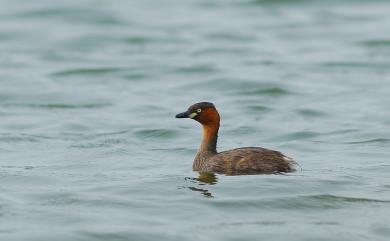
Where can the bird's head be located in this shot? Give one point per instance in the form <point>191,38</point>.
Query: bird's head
<point>203,112</point>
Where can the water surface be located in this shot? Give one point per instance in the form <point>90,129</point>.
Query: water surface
<point>90,149</point>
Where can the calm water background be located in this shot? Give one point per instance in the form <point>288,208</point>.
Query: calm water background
<point>89,148</point>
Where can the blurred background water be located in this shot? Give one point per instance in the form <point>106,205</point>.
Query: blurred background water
<point>90,149</point>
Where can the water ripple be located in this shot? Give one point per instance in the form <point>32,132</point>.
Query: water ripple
<point>81,15</point>
<point>266,2</point>
<point>273,91</point>
<point>376,43</point>
<point>323,201</point>
<point>59,105</point>
<point>310,113</point>
<point>155,133</point>
<point>259,108</point>
<point>88,71</point>
<point>197,69</point>
<point>334,198</point>
<point>375,140</point>
<point>300,135</point>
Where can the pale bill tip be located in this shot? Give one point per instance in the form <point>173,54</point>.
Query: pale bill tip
<point>192,115</point>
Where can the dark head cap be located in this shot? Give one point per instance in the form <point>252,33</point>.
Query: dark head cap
<point>195,110</point>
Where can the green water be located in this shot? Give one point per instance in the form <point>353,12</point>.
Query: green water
<point>90,148</point>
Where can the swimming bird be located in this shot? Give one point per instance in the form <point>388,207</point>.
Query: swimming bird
<point>240,161</point>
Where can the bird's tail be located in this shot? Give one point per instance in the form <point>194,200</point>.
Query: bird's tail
<point>292,162</point>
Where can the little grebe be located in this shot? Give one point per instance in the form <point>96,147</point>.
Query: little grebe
<point>240,161</point>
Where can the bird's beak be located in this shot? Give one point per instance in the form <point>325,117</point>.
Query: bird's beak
<point>183,115</point>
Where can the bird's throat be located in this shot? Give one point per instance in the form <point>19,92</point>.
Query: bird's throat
<point>209,138</point>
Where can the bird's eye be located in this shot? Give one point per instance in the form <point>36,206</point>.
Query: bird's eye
<point>199,110</point>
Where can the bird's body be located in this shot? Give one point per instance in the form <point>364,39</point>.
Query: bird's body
<point>240,161</point>
<point>244,160</point>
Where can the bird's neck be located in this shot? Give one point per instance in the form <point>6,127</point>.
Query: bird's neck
<point>209,139</point>
<point>208,147</point>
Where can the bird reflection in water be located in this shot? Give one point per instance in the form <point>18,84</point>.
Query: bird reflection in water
<point>204,178</point>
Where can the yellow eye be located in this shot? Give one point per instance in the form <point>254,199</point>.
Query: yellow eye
<point>199,110</point>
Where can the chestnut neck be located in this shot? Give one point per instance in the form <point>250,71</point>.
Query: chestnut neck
<point>209,138</point>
